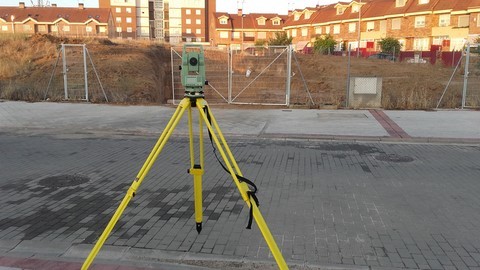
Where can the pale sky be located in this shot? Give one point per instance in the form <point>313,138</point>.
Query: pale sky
<point>230,6</point>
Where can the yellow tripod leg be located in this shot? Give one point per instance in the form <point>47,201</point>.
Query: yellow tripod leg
<point>242,186</point>
<point>136,183</point>
<point>197,171</point>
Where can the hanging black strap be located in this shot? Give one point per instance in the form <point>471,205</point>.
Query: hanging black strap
<point>253,188</point>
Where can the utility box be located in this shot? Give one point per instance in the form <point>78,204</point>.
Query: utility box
<point>365,92</point>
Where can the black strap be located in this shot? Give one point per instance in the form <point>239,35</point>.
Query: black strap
<point>253,190</point>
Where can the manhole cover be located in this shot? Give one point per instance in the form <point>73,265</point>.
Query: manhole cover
<point>393,158</point>
<point>65,180</point>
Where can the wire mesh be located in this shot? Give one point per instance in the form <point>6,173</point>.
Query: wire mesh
<point>259,75</point>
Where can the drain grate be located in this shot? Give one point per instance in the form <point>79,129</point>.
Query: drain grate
<point>393,158</point>
<point>65,180</point>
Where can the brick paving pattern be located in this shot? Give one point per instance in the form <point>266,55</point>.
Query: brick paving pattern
<point>410,206</point>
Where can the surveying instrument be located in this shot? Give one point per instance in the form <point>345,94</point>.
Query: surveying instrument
<point>193,79</point>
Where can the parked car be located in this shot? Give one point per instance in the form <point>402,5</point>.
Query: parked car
<point>385,56</point>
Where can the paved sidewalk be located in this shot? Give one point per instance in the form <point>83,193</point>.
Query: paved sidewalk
<point>420,126</point>
<point>334,195</point>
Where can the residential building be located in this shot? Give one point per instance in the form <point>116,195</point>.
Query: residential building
<point>73,22</point>
<point>190,20</point>
<point>418,24</point>
<point>131,17</point>
<point>240,31</point>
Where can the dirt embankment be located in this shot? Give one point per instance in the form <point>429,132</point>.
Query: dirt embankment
<point>129,72</point>
<point>136,72</point>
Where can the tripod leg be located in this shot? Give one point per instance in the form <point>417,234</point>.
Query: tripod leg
<point>197,171</point>
<point>138,180</point>
<point>242,186</point>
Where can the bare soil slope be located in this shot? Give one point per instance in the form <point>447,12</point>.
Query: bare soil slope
<point>136,72</point>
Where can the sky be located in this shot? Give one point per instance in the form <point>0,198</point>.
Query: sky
<point>230,6</point>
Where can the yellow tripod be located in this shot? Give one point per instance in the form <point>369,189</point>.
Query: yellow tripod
<point>197,171</point>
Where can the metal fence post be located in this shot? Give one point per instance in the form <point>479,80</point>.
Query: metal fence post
<point>289,74</point>
<point>65,83</point>
<point>347,97</point>
<point>465,76</point>
<point>229,78</point>
<point>85,70</point>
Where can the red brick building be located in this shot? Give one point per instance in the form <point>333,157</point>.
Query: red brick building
<point>243,30</point>
<point>74,22</point>
<point>418,24</point>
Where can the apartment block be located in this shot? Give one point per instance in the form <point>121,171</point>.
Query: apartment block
<point>190,20</point>
<point>131,17</point>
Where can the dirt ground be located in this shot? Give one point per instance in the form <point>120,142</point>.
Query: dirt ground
<point>140,73</point>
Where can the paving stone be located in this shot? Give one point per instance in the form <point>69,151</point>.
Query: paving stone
<point>325,202</point>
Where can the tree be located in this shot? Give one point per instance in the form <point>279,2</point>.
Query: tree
<point>390,45</point>
<point>281,39</point>
<point>324,44</point>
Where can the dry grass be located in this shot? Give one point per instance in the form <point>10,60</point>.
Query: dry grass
<point>140,72</point>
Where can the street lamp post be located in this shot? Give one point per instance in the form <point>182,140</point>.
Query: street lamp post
<point>13,26</point>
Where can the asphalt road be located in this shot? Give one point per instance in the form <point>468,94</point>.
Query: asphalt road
<point>328,203</point>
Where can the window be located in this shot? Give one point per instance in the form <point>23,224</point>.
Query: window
<point>102,29</point>
<point>396,24</point>
<point>236,34</point>
<point>307,15</point>
<point>223,21</point>
<point>129,20</point>
<point>262,35</point>
<point>66,28</point>
<point>370,26</point>
<point>478,19</point>
<point>223,34</point>
<point>304,32</point>
<point>355,8</point>
<point>118,10</point>
<point>327,29</point>
<point>419,21</point>
<point>188,31</point>
<point>352,27</point>
<point>88,29</point>
<point>42,28</point>
<point>340,10</point>
<point>421,2</point>
<point>463,21</point>
<point>261,22</point>
<point>294,32</point>
<point>129,29</point>
<point>421,44</point>
<point>119,29</point>
<point>296,17</point>
<point>54,28</point>
<point>198,21</point>
<point>198,31</point>
<point>399,3</point>
<point>118,19</point>
<point>188,21</point>
<point>129,10</point>
<point>198,12</point>
<point>444,20</point>
<point>4,28</point>
<point>383,26</point>
<point>336,29</point>
<point>188,11</point>
<point>276,22</point>
<point>318,30</point>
